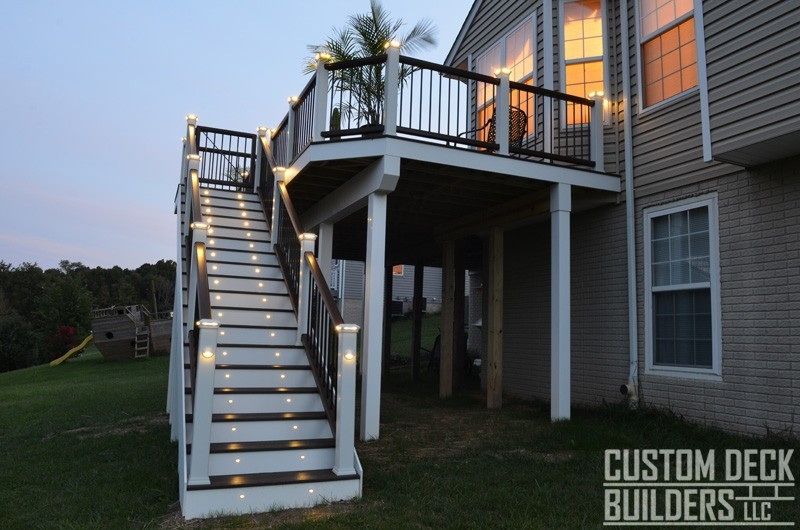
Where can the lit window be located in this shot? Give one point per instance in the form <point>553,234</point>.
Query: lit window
<point>514,51</point>
<point>583,53</point>
<point>682,298</point>
<point>669,50</point>
<point>397,270</point>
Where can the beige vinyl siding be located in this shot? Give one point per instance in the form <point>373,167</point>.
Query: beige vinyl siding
<point>403,286</point>
<point>753,54</point>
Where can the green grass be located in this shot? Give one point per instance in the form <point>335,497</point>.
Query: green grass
<point>401,335</point>
<point>86,445</point>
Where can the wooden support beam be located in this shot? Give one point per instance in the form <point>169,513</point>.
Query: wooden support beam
<point>494,387</point>
<point>416,330</point>
<point>447,324</point>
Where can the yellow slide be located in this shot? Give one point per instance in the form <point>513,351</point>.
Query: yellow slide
<point>73,351</point>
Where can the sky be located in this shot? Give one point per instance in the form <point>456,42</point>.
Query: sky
<point>93,96</point>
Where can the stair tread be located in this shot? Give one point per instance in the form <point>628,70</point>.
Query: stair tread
<point>259,366</point>
<point>264,416</point>
<point>271,479</point>
<point>262,390</point>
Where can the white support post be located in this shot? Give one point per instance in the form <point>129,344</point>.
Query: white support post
<point>501,110</point>
<point>261,136</point>
<point>372,345</point>
<point>203,391</point>
<point>325,252</point>
<point>391,88</point>
<point>307,242</point>
<point>344,459</point>
<point>192,172</point>
<point>320,98</point>
<point>290,130</point>
<point>560,208</point>
<point>280,176</point>
<point>596,147</point>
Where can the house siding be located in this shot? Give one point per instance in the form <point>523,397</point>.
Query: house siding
<point>753,62</point>
<point>759,236</point>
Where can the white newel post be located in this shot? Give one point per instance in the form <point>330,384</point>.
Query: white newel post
<point>344,460</point>
<point>193,169</point>
<point>307,243</point>
<point>391,88</point>
<point>560,208</point>
<point>372,340</point>
<point>320,98</point>
<point>325,250</point>
<point>261,136</point>
<point>596,145</point>
<point>280,176</point>
<point>501,110</point>
<point>290,130</point>
<point>203,391</point>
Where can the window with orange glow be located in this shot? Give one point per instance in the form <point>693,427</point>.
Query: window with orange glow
<point>583,52</point>
<point>397,270</point>
<point>669,48</point>
<point>514,51</point>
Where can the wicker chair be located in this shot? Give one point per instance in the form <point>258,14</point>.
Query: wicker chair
<point>517,128</point>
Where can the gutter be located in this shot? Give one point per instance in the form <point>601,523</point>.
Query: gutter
<point>631,389</point>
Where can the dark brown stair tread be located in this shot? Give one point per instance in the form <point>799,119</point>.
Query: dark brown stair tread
<point>271,479</point>
<point>258,366</point>
<point>271,445</point>
<point>262,390</point>
<point>264,416</point>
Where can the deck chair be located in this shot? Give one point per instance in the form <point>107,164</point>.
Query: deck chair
<point>517,127</point>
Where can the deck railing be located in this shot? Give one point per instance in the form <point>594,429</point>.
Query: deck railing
<point>228,158</point>
<point>266,179</point>
<point>397,95</point>
<point>280,143</point>
<point>288,248</point>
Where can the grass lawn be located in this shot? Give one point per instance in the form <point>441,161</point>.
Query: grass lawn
<point>86,445</point>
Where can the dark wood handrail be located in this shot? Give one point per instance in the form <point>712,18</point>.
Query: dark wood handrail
<point>203,293</point>
<point>203,128</point>
<point>324,291</point>
<point>287,202</point>
<point>282,125</point>
<point>354,63</point>
<point>449,70</point>
<point>304,93</point>
<point>551,93</point>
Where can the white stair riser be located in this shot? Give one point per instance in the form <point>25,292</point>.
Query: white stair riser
<point>205,503</point>
<point>247,285</point>
<point>270,272</point>
<point>267,431</point>
<point>255,235</point>
<point>256,337</point>
<point>245,403</point>
<point>244,258</point>
<point>267,317</point>
<point>229,202</point>
<point>244,223</point>
<point>242,243</point>
<point>250,301</point>
<point>270,461</point>
<point>267,356</point>
<point>263,378</point>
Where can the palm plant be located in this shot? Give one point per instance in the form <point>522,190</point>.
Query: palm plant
<point>363,36</point>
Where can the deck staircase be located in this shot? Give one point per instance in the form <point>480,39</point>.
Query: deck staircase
<point>267,427</point>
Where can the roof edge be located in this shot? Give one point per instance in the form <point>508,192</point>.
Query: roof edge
<point>464,28</point>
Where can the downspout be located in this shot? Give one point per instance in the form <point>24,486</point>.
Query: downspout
<point>631,389</point>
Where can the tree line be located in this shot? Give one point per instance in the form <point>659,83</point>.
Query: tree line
<point>43,313</point>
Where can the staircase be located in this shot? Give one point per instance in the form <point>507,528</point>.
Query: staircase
<point>271,442</point>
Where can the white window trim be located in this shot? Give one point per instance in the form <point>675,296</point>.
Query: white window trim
<point>562,63</point>
<point>501,41</point>
<point>702,82</point>
<point>715,372</point>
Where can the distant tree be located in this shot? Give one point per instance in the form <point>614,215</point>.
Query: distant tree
<point>65,303</point>
<point>18,342</point>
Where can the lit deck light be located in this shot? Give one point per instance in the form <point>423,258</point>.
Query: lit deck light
<point>198,226</point>
<point>394,43</point>
<point>208,354</point>
<point>292,99</point>
<point>504,70</point>
<point>323,56</point>
<point>349,356</point>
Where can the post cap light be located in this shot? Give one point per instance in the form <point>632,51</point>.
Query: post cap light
<point>597,94</point>
<point>199,226</point>
<point>505,70</point>
<point>280,168</point>
<point>183,139</point>
<point>191,119</point>
<point>307,236</point>
<point>293,99</point>
<point>323,56</point>
<point>193,157</point>
<point>352,328</point>
<point>394,43</point>
<point>207,323</point>
<point>262,131</point>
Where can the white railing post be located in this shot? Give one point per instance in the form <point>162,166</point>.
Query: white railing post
<point>391,87</point>
<point>501,115</point>
<point>280,176</point>
<point>307,242</point>
<point>192,172</point>
<point>596,131</point>
<point>290,130</point>
<point>320,98</point>
<point>344,459</point>
<point>203,391</point>
<point>261,136</point>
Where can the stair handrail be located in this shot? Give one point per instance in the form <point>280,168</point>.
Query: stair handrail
<point>288,244</point>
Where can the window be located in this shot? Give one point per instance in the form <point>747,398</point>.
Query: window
<point>397,270</point>
<point>682,329</point>
<point>514,51</point>
<point>583,50</point>
<point>668,48</point>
